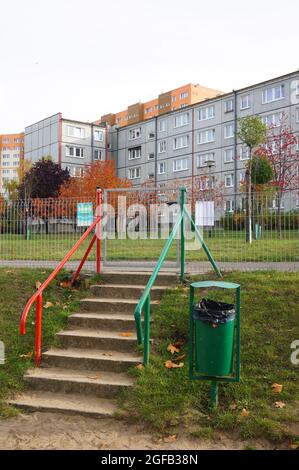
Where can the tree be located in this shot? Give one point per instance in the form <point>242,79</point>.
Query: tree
<point>96,175</point>
<point>11,187</point>
<point>43,180</point>
<point>280,150</point>
<point>252,132</point>
<point>261,171</point>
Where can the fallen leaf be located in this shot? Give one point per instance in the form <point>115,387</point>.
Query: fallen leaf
<point>178,343</point>
<point>179,358</point>
<point>171,348</point>
<point>65,307</point>
<point>276,388</point>
<point>294,446</point>
<point>37,285</point>
<point>109,354</point>
<point>140,367</point>
<point>279,404</point>
<point>44,272</point>
<point>65,284</point>
<point>26,356</point>
<point>126,334</point>
<point>233,406</point>
<point>8,272</point>
<point>169,438</point>
<point>172,365</point>
<point>48,305</point>
<point>94,377</point>
<point>245,413</point>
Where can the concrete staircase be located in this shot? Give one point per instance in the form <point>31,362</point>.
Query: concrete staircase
<point>88,369</point>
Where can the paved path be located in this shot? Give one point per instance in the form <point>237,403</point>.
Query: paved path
<point>191,267</point>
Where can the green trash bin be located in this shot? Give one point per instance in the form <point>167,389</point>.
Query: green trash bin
<point>214,326</point>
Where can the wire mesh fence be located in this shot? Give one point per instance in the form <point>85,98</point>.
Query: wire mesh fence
<point>137,223</point>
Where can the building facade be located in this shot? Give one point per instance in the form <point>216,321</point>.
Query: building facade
<point>178,144</point>
<point>73,144</point>
<point>11,154</point>
<point>170,101</point>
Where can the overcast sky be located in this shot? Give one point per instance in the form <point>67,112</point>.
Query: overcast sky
<point>86,58</point>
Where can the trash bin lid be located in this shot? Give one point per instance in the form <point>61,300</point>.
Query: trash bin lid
<point>223,285</point>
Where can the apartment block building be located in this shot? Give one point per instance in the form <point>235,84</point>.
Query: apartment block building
<point>174,99</point>
<point>71,143</point>
<point>11,153</point>
<point>177,144</point>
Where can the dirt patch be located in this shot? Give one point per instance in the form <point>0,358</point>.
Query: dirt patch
<point>58,431</point>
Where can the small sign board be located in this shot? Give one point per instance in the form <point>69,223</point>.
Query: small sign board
<point>205,214</point>
<point>84,214</point>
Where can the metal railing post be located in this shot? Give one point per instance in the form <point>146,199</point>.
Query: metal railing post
<point>38,329</point>
<point>182,205</point>
<point>147,325</point>
<point>98,230</point>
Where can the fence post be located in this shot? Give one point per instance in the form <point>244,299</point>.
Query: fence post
<point>182,204</point>
<point>98,231</point>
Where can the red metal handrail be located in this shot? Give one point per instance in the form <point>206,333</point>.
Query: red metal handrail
<point>38,294</point>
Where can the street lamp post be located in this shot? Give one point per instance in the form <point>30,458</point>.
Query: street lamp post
<point>210,163</point>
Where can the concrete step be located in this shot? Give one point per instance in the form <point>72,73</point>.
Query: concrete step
<point>101,384</point>
<point>102,340</point>
<point>139,278</point>
<point>111,305</point>
<point>103,321</point>
<point>65,403</point>
<point>122,291</point>
<point>90,359</point>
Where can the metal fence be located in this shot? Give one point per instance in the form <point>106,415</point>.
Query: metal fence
<point>44,230</point>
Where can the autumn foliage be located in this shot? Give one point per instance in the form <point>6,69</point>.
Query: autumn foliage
<point>97,175</point>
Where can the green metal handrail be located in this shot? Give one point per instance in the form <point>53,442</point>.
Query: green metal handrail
<point>145,298</point>
<point>144,302</point>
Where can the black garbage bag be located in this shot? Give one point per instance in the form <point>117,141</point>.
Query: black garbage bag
<point>210,311</point>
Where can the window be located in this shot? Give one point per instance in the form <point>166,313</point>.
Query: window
<point>151,135</point>
<point>6,164</point>
<point>151,176</point>
<point>229,106</point>
<point>272,120</point>
<point>228,155</point>
<point>18,141</point>
<point>16,155</point>
<point>206,183</point>
<point>161,168</point>
<point>206,113</point>
<point>173,99</point>
<point>228,131</point>
<point>74,131</point>
<point>206,136</point>
<point>275,203</point>
<point>17,149</point>
<point>184,95</point>
<point>15,163</point>
<point>244,153</point>
<point>273,94</point>
<point>75,171</point>
<point>180,142</point>
<point>76,152</point>
<point>151,156</point>
<point>5,148</point>
<point>5,141</point>
<point>180,165</point>
<point>97,154</point>
<point>229,180</point>
<point>5,155</point>
<point>134,153</point>
<point>135,133</point>
<point>148,110</point>
<point>183,106</point>
<point>162,125</point>
<point>297,200</point>
<point>229,205</point>
<point>203,158</point>
<point>297,114</point>
<point>98,135</point>
<point>162,146</point>
<point>134,173</point>
<point>181,120</point>
<point>6,172</point>
<point>242,177</point>
<point>245,102</point>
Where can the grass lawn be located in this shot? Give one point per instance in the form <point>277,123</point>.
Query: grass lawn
<point>170,402</point>
<point>224,245</point>
<point>16,287</point>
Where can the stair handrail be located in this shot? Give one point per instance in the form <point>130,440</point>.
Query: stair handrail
<point>145,297</point>
<point>144,301</point>
<point>37,296</point>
